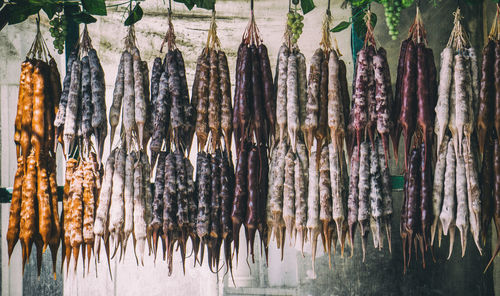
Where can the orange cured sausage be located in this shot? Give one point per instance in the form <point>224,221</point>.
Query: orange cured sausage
<point>26,69</point>
<point>55,235</point>
<point>27,115</point>
<point>28,213</point>
<point>44,204</point>
<point>38,120</point>
<point>66,215</point>
<point>15,208</point>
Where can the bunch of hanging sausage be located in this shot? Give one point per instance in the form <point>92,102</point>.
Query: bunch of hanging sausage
<point>253,121</point>
<point>82,111</point>
<point>81,190</point>
<point>174,118</point>
<point>416,89</point>
<point>214,170</point>
<point>125,197</point>
<point>370,202</point>
<point>287,195</point>
<point>33,212</point>
<point>124,202</point>
<point>131,100</point>
<point>456,194</point>
<point>488,129</point>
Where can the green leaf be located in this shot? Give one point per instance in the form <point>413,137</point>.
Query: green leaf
<point>135,15</point>
<point>83,18</point>
<point>307,5</point>
<point>189,3</point>
<point>50,10</point>
<point>205,4</point>
<point>96,7</point>
<point>20,12</point>
<point>341,27</point>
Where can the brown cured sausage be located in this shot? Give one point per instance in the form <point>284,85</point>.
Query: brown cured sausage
<point>226,105</point>
<point>253,197</point>
<point>425,194</point>
<point>396,132</point>
<point>236,122</point>
<point>258,110</point>
<point>487,186</point>
<point>486,95</point>
<point>409,98</point>
<point>497,88</point>
<point>267,88</point>
<point>413,199</point>
<point>371,101</point>
<point>214,106</point>
<point>322,129</point>
<point>359,112</point>
<point>240,194</point>
<point>424,111</point>
<point>202,100</point>
<point>496,194</point>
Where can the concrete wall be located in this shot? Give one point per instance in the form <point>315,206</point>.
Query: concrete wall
<point>380,274</point>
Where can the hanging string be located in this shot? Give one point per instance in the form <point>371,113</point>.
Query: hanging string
<point>130,40</point>
<point>170,35</point>
<point>458,38</point>
<point>494,32</point>
<point>86,42</point>
<point>252,33</point>
<point>39,49</point>
<point>417,31</point>
<point>287,36</point>
<point>370,36</point>
<point>326,42</point>
<point>213,41</point>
